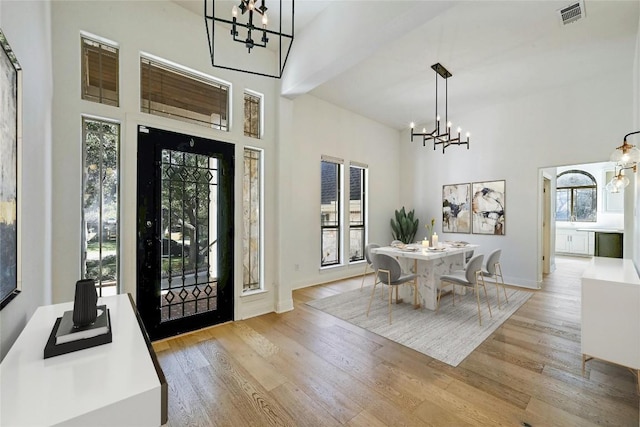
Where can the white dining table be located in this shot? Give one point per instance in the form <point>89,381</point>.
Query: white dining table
<point>429,265</point>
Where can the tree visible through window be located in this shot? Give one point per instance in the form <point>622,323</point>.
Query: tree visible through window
<point>576,196</point>
<point>100,204</point>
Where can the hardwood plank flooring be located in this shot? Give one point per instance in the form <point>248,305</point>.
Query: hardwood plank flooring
<point>307,368</point>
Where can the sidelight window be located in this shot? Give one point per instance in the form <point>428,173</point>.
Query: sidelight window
<point>100,219</point>
<point>252,220</point>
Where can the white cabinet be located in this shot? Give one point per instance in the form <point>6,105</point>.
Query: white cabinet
<point>574,242</point>
<point>610,327</point>
<point>115,384</point>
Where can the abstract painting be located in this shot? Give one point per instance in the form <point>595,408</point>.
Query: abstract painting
<point>9,136</point>
<point>456,217</point>
<point>488,207</point>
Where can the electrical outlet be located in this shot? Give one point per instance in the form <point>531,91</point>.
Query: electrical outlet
<point>296,267</point>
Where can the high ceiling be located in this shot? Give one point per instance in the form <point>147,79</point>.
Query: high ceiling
<point>374,57</point>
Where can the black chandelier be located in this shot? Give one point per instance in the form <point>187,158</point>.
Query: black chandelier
<point>443,138</point>
<point>251,34</point>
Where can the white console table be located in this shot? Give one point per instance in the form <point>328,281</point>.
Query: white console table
<point>115,384</point>
<point>611,313</point>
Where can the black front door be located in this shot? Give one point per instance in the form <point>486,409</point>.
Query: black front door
<point>185,232</point>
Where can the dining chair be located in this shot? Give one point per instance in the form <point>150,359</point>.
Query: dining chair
<point>493,270</point>
<point>389,272</point>
<point>369,258</point>
<point>471,277</point>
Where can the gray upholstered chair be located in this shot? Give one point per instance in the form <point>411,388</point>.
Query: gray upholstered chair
<point>471,277</point>
<point>368,256</point>
<point>389,272</point>
<point>493,271</point>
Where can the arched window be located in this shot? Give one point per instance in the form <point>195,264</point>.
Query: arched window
<point>576,196</point>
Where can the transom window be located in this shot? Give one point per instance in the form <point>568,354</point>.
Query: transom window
<point>99,72</point>
<point>252,113</point>
<point>171,91</point>
<point>576,196</point>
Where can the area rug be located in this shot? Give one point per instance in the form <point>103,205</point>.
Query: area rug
<point>449,336</point>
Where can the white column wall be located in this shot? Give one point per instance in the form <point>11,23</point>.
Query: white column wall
<point>320,128</point>
<point>27,26</point>
<point>511,141</point>
<point>632,214</point>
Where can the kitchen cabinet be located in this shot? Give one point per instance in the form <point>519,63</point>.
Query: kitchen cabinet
<point>574,242</point>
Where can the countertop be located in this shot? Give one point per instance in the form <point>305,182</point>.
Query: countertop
<point>602,230</point>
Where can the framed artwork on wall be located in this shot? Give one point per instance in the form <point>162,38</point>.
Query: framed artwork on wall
<point>456,216</point>
<point>488,207</point>
<point>10,136</point>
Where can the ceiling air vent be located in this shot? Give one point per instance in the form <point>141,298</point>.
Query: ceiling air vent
<point>572,13</point>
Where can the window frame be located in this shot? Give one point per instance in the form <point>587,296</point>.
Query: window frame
<point>188,73</point>
<point>83,242</point>
<point>261,286</point>
<point>339,226</point>
<point>260,98</point>
<point>572,190</point>
<point>363,203</point>
<point>102,43</point>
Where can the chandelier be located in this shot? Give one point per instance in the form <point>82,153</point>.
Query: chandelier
<point>625,156</point>
<point>443,137</point>
<point>245,29</point>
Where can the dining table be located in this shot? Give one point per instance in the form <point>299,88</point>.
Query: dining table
<point>428,263</point>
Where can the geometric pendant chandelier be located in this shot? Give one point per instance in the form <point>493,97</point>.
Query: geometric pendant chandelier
<point>441,136</point>
<point>233,33</point>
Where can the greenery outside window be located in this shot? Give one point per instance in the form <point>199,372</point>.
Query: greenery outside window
<point>252,221</point>
<point>357,212</point>
<point>252,114</point>
<point>170,90</point>
<point>330,223</point>
<point>100,72</point>
<point>100,196</point>
<point>576,196</point>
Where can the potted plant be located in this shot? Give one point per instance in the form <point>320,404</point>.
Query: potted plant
<point>404,227</point>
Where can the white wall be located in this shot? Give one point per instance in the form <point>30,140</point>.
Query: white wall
<point>511,141</point>
<point>27,26</point>
<point>297,133</point>
<point>164,29</point>
<point>318,128</point>
<point>633,212</point>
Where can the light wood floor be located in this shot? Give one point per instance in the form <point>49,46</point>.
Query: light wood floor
<point>307,368</point>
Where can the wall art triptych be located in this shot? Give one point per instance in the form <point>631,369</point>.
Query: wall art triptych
<point>477,208</point>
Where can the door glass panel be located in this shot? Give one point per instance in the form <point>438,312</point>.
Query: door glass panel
<point>189,269</point>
